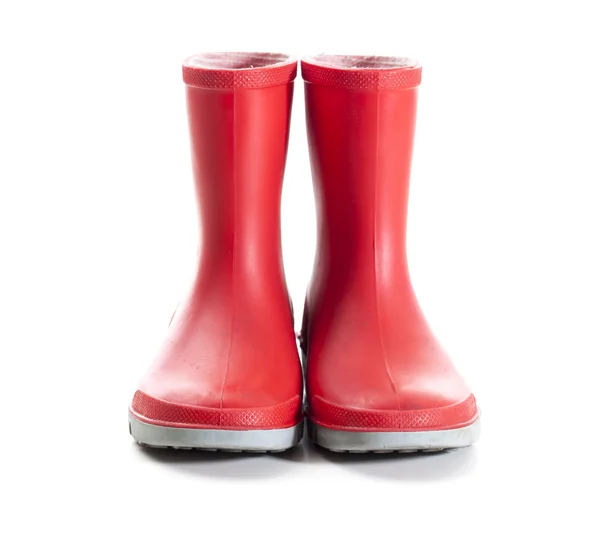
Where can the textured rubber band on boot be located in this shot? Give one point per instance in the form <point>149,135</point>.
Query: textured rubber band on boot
<point>333,416</point>
<point>158,412</point>
<point>239,70</point>
<point>362,72</point>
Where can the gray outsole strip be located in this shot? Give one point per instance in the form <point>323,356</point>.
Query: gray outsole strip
<point>254,440</point>
<point>403,441</point>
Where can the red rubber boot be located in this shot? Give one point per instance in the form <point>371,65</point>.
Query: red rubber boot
<point>228,376</point>
<point>377,378</point>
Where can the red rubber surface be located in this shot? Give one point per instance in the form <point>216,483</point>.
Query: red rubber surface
<point>151,410</point>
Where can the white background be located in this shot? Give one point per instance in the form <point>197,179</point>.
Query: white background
<point>98,233</point>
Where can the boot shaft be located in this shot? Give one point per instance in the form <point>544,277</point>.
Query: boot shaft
<point>239,127</point>
<point>360,122</point>
<point>361,115</point>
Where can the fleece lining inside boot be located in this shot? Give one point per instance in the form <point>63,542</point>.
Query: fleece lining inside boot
<point>236,61</point>
<point>361,61</point>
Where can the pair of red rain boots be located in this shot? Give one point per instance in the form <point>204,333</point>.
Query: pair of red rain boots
<point>228,376</point>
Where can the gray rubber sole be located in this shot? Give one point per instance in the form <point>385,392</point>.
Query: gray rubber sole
<point>409,441</point>
<point>262,440</point>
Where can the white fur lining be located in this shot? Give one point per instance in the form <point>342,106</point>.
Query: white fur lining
<point>361,61</point>
<point>237,61</point>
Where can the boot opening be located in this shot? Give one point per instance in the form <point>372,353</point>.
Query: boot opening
<point>361,61</point>
<point>237,61</point>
